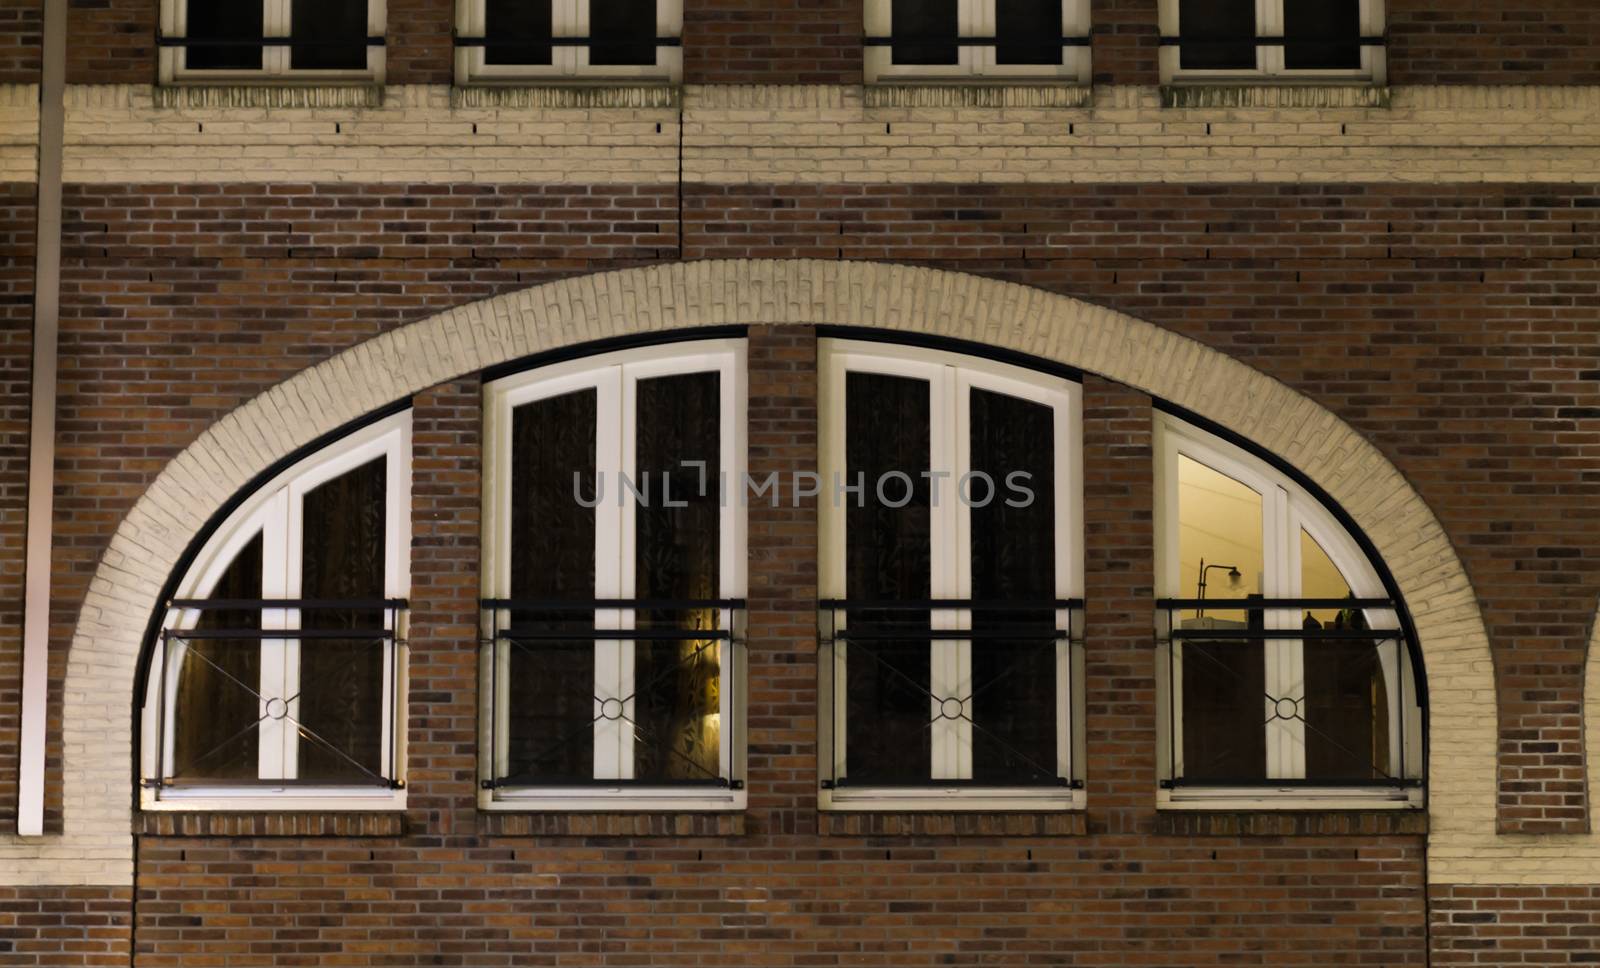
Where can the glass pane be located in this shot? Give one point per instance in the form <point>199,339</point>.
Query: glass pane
<point>1027,31</point>
<point>342,685</point>
<point>551,736</point>
<point>215,711</point>
<point>1323,34</point>
<point>518,31</point>
<point>1347,702</point>
<point>1217,34</point>
<point>887,558</point>
<point>624,32</point>
<point>929,22</point>
<point>328,35</point>
<point>1014,697</point>
<point>1220,557</point>
<point>224,20</point>
<point>678,735</point>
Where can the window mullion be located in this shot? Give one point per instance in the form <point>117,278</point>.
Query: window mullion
<point>275,17</point>
<point>945,672</point>
<point>276,751</point>
<point>1285,660</point>
<point>613,572</point>
<point>1269,23</point>
<point>573,22</point>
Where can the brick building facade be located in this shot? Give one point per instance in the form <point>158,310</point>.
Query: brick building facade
<point>1390,291</point>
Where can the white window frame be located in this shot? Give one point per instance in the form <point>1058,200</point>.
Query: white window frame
<point>1270,60</point>
<point>950,377</point>
<point>274,60</point>
<point>1287,509</point>
<point>275,512</point>
<point>976,18</point>
<point>570,18</point>
<point>615,377</point>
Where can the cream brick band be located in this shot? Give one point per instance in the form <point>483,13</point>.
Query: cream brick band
<point>96,719</point>
<point>824,134</point>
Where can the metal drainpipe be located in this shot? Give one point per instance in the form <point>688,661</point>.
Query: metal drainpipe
<point>42,423</point>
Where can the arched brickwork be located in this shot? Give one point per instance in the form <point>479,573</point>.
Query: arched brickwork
<point>96,846</point>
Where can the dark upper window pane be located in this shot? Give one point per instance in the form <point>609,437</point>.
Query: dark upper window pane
<point>342,685</point>
<point>214,732</point>
<point>1014,697</point>
<point>624,32</point>
<point>552,558</point>
<point>1322,34</point>
<point>928,23</point>
<point>224,20</point>
<point>517,31</point>
<point>887,558</point>
<point>1217,34</point>
<point>1026,31</point>
<point>328,35</point>
<point>676,556</point>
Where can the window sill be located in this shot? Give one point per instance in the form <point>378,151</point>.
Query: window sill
<point>567,92</point>
<point>992,823</point>
<point>1266,93</point>
<point>274,91</point>
<point>1291,823</point>
<point>541,824</point>
<point>969,92</point>
<point>270,824</point>
<point>1290,799</point>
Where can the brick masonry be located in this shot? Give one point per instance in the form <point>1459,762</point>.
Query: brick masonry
<point>41,927</point>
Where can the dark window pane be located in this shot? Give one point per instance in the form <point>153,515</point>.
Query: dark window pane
<point>624,32</point>
<point>1026,31</point>
<point>328,35</point>
<point>1323,34</point>
<point>342,686</point>
<point>887,558</point>
<point>517,31</point>
<point>215,735</point>
<point>1224,697</point>
<point>1346,705</point>
<point>1217,34</point>
<point>928,22</point>
<point>678,736</point>
<point>224,20</point>
<point>552,558</point>
<point>1014,697</point>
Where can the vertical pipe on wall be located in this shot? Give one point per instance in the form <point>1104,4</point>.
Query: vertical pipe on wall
<point>42,424</point>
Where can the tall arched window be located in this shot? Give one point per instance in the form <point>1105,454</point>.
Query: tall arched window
<point>614,568</point>
<point>277,677</point>
<point>950,570</point>
<point>1287,674</point>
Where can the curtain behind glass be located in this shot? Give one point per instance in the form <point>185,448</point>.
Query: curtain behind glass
<point>887,558</point>
<point>929,22</point>
<point>224,20</point>
<point>216,709</point>
<point>328,34</point>
<point>1217,34</point>
<point>1027,31</point>
<point>624,32</point>
<point>342,685</point>
<point>517,31</point>
<point>676,556</point>
<point>551,709</point>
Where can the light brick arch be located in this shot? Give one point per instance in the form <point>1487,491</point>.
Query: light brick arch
<point>96,847</point>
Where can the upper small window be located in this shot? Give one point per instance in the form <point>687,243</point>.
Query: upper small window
<point>1303,40</point>
<point>303,40</point>
<point>985,39</point>
<point>614,564</point>
<point>1288,673</point>
<point>544,40</point>
<point>949,570</point>
<point>277,678</point>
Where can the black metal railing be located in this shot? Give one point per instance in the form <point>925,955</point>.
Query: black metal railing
<point>1029,616</point>
<point>527,625</point>
<point>375,622</point>
<point>1311,632</point>
<point>955,40</point>
<point>163,40</point>
<point>1288,43</point>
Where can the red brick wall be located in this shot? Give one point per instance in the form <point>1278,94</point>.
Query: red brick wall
<point>419,47</point>
<point>112,41</point>
<point>1515,925</point>
<point>45,926</point>
<point>772,41</point>
<point>21,22</point>
<point>1493,42</point>
<point>16,348</point>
